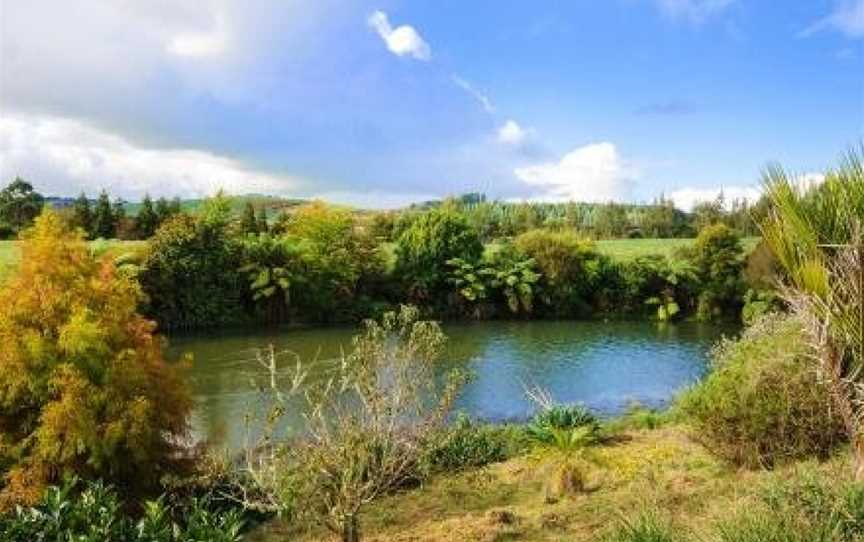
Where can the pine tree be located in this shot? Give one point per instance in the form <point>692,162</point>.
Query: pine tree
<point>176,207</point>
<point>104,223</point>
<point>147,221</point>
<point>82,214</point>
<point>248,222</point>
<point>163,210</point>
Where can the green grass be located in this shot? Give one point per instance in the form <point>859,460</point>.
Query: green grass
<point>10,252</point>
<point>628,249</point>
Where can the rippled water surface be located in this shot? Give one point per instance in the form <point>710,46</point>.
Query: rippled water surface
<point>605,365</point>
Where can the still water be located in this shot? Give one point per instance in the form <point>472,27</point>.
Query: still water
<point>605,365</point>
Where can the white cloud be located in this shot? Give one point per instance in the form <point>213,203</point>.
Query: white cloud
<point>846,18</point>
<point>695,11</point>
<point>592,173</point>
<point>401,41</point>
<point>510,133</point>
<point>62,157</point>
<point>484,100</point>
<point>687,198</point>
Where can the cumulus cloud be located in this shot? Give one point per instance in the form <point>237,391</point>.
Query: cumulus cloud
<point>511,133</point>
<point>592,173</point>
<point>687,198</point>
<point>695,11</point>
<point>65,156</point>
<point>846,18</point>
<point>482,98</point>
<point>401,41</point>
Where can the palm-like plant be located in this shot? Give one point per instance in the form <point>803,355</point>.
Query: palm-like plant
<point>271,270</point>
<point>816,235</point>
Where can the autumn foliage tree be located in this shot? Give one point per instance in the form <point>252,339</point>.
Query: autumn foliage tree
<point>84,387</point>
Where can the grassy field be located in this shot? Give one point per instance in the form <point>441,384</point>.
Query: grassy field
<point>661,471</point>
<point>10,252</point>
<point>627,249</point>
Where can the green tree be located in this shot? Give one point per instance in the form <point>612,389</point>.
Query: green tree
<point>423,250</point>
<point>146,221</point>
<point>104,219</point>
<point>163,210</point>
<point>263,225</point>
<point>19,205</point>
<point>82,215</point>
<point>719,261</point>
<point>610,221</point>
<point>274,268</point>
<point>84,387</point>
<point>248,221</point>
<point>191,270</point>
<point>569,266</point>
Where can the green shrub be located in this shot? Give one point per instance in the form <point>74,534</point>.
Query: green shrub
<point>543,426</point>
<point>469,444</point>
<point>191,271</point>
<point>570,268</point>
<point>425,247</point>
<point>718,258</point>
<point>761,404</point>
<point>800,508</point>
<point>94,513</point>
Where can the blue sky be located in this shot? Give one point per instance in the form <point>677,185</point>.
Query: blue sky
<point>381,103</point>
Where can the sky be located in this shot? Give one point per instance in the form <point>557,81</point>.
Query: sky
<point>381,103</point>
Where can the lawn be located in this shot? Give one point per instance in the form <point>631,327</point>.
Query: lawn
<point>628,249</point>
<point>662,471</point>
<point>10,252</point>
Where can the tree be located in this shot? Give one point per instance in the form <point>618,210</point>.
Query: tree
<point>569,267</point>
<point>610,220</point>
<point>84,387</point>
<point>263,226</point>
<point>104,219</point>
<point>248,221</point>
<point>163,210</point>
<point>191,270</point>
<point>719,261</point>
<point>423,250</point>
<point>82,215</point>
<point>817,235</point>
<point>370,424</point>
<point>19,205</point>
<point>147,220</point>
<point>273,267</point>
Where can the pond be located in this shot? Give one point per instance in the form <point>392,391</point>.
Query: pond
<point>605,365</point>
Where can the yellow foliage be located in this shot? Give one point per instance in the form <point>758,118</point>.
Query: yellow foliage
<point>84,386</point>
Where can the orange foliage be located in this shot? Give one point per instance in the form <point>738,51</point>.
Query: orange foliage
<point>84,386</point>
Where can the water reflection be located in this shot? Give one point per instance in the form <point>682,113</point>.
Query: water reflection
<point>605,365</point>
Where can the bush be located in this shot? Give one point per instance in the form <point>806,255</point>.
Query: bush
<point>95,513</point>
<point>468,444</point>
<point>718,258</point>
<point>191,271</point>
<point>84,386</point>
<point>425,247</point>
<point>761,404</point>
<point>546,426</point>
<point>570,269</point>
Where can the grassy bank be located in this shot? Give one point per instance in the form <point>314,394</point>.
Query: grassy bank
<point>10,252</point>
<point>663,473</point>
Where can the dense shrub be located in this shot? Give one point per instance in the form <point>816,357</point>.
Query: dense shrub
<point>95,513</point>
<point>84,386</point>
<point>469,444</point>
<point>191,272</point>
<point>761,403</point>
<point>425,247</point>
<point>570,268</point>
<point>718,258</point>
